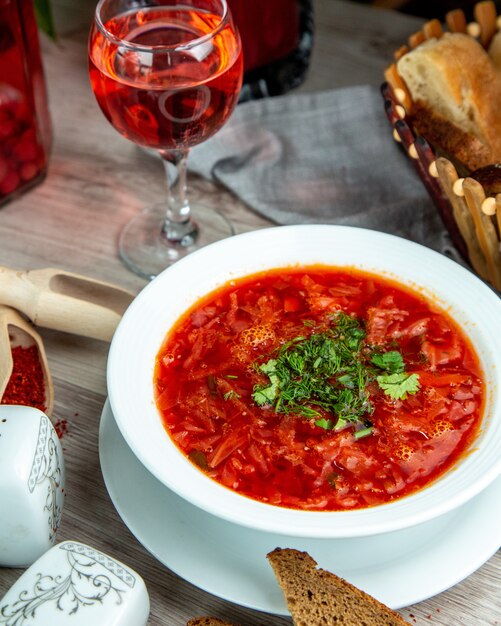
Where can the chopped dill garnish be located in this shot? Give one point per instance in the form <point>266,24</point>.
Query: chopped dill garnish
<point>329,372</point>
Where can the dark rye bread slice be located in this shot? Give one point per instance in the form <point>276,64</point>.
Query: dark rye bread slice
<point>316,597</point>
<point>207,621</point>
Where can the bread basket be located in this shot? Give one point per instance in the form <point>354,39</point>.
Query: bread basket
<point>471,214</point>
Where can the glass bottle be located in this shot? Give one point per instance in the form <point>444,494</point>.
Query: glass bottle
<point>25,127</point>
<point>277,40</point>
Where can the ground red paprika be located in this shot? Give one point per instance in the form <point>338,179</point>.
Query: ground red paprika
<point>26,384</point>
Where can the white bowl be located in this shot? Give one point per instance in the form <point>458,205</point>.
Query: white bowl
<point>145,324</point>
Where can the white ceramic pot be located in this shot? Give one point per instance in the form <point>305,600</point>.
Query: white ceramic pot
<point>75,585</point>
<point>32,480</point>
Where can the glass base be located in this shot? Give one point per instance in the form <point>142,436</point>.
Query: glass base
<point>146,248</point>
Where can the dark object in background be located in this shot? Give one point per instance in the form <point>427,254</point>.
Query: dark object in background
<point>277,40</point>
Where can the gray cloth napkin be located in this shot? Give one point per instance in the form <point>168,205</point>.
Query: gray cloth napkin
<point>324,157</point>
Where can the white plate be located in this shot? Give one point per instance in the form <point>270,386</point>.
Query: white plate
<point>229,560</point>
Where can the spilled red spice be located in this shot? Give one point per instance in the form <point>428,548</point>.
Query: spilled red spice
<point>61,427</point>
<point>26,384</point>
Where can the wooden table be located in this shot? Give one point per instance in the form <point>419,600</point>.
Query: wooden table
<point>97,180</point>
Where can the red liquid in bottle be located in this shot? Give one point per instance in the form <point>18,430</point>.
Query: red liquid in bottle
<point>166,100</point>
<point>269,29</point>
<point>25,130</point>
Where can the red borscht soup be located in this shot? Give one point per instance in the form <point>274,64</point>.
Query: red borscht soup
<point>319,388</point>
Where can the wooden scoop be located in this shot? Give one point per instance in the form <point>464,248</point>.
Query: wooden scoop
<point>16,331</point>
<point>60,300</point>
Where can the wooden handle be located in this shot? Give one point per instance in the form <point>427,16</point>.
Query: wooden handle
<point>64,301</point>
<point>6,363</point>
<point>15,290</point>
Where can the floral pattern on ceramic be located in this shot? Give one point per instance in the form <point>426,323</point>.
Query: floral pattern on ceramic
<point>46,473</point>
<point>75,584</point>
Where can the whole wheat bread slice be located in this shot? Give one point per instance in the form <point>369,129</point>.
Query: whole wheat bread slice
<point>316,597</point>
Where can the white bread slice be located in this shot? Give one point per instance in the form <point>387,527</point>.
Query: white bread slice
<point>456,90</point>
<point>316,597</point>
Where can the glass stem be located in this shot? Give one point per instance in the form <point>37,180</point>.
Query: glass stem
<point>178,227</point>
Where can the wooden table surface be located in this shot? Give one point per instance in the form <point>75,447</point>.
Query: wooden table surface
<point>97,180</point>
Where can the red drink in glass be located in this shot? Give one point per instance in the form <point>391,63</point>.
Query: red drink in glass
<point>167,76</point>
<point>153,102</point>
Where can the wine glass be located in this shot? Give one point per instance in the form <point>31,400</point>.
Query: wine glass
<point>167,75</point>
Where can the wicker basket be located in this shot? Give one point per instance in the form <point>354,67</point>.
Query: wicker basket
<point>471,215</point>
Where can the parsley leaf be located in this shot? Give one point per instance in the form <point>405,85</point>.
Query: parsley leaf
<point>392,362</point>
<point>323,423</point>
<point>267,394</point>
<point>399,385</point>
